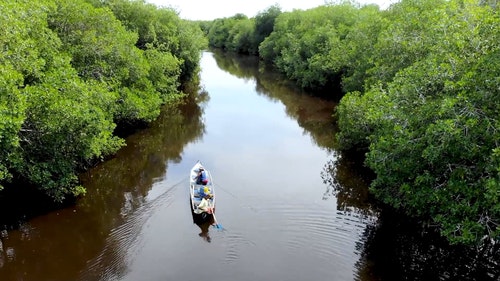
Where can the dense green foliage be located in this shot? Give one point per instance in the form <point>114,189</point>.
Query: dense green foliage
<point>430,119</point>
<point>162,30</point>
<point>315,48</point>
<point>307,45</point>
<point>70,71</point>
<point>420,95</point>
<point>239,33</point>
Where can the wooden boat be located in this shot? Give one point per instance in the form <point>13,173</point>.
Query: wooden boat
<point>197,191</point>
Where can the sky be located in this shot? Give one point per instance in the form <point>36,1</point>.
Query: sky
<point>212,9</point>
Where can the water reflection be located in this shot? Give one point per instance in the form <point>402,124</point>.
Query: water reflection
<point>111,263</point>
<point>204,226</point>
<point>134,222</point>
<point>347,181</point>
<point>58,245</point>
<point>392,247</point>
<point>397,248</point>
<point>123,208</point>
<point>401,250</point>
<point>143,161</point>
<point>312,114</point>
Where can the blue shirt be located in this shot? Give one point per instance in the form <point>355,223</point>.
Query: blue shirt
<point>203,176</point>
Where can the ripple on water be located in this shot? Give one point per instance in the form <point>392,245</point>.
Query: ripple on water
<point>320,232</point>
<point>235,242</point>
<point>111,263</point>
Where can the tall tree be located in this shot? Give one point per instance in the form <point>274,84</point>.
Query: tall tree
<point>264,23</point>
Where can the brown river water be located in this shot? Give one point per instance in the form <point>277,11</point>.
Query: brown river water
<point>291,207</point>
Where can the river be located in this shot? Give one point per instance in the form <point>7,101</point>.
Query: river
<point>291,207</point>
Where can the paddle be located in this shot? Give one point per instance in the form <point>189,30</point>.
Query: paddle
<point>217,225</point>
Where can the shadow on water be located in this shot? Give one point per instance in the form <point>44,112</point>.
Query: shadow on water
<point>204,224</point>
<point>397,248</point>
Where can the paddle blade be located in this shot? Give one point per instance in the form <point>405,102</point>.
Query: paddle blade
<point>216,224</point>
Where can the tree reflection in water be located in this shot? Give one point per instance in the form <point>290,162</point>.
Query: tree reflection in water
<point>397,247</point>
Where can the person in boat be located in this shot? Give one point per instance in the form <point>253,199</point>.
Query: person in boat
<point>206,204</point>
<point>201,178</point>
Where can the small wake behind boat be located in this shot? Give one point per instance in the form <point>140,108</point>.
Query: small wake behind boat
<point>201,187</point>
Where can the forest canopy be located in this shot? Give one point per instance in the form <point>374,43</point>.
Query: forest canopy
<point>72,71</point>
<point>418,84</point>
<point>419,97</point>
<point>429,117</point>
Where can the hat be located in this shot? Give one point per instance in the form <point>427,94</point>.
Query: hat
<point>206,190</point>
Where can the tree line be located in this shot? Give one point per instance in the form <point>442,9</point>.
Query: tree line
<point>73,71</point>
<point>419,90</point>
